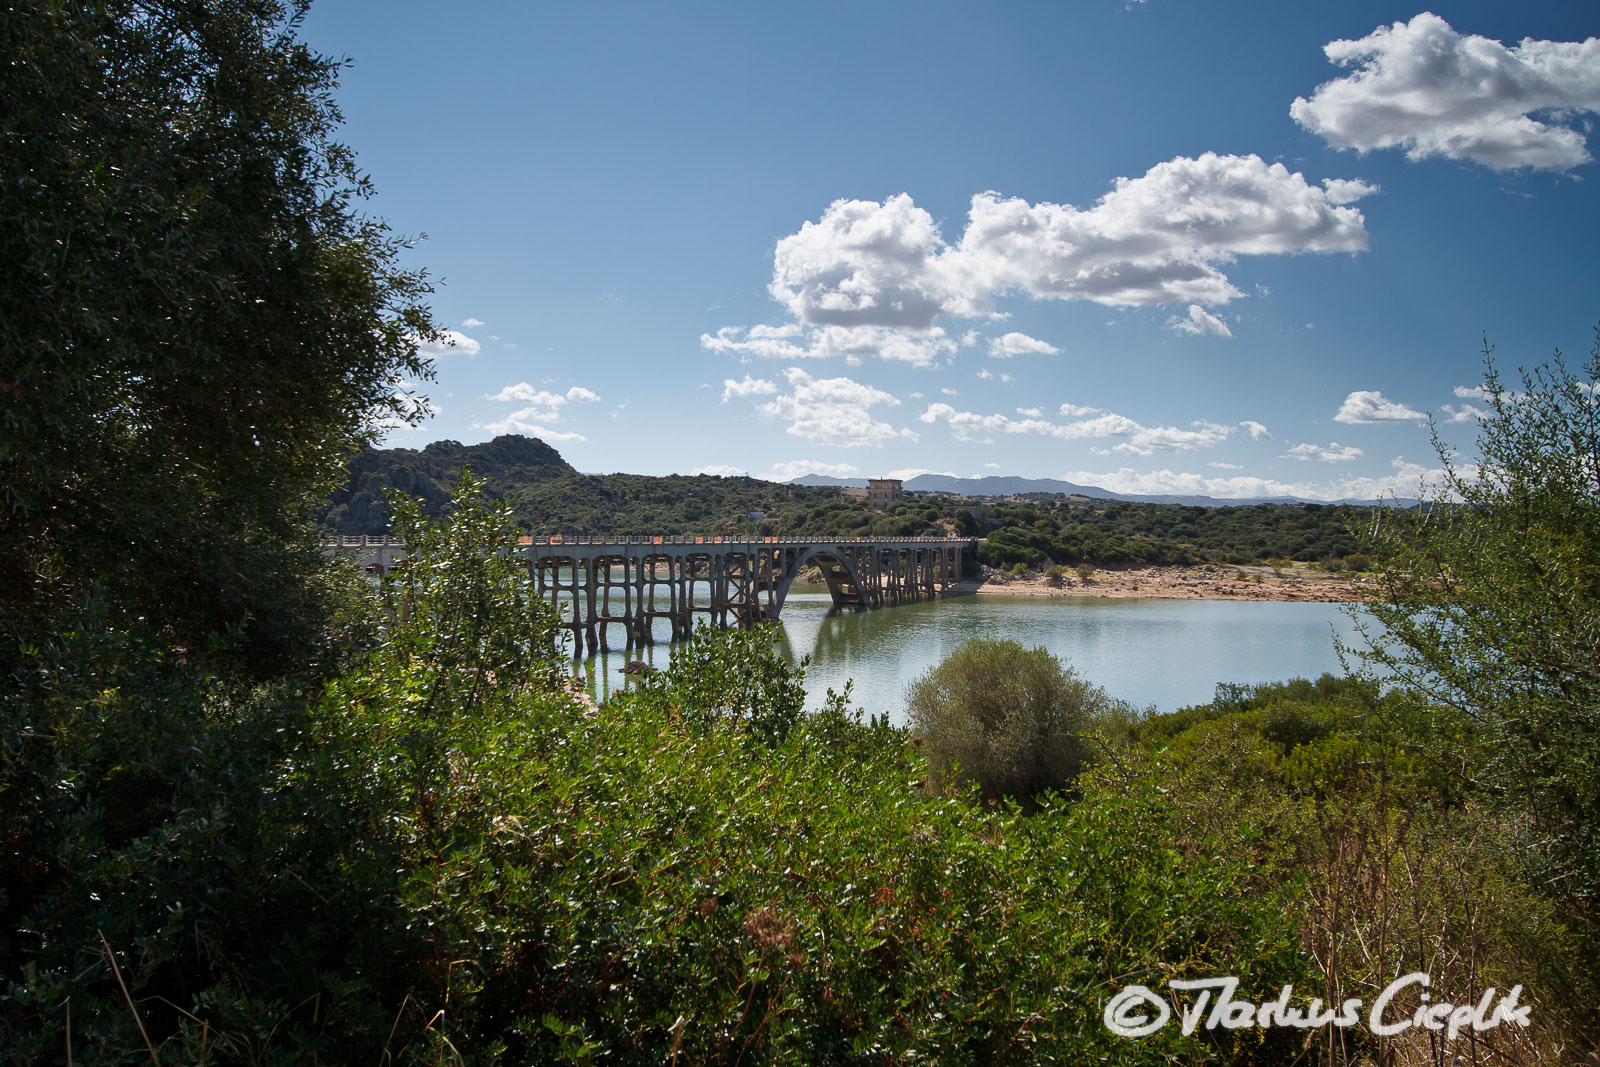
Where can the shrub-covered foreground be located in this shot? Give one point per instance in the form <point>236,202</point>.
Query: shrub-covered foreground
<point>441,853</point>
<point>1401,866</point>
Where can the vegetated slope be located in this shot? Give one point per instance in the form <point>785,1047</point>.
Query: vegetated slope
<point>547,496</point>
<point>1061,530</point>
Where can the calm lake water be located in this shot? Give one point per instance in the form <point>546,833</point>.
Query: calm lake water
<point>1161,653</point>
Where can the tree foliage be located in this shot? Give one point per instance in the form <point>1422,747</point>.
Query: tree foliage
<point>733,678</point>
<point>196,320</point>
<point>1491,607</point>
<point>462,605</point>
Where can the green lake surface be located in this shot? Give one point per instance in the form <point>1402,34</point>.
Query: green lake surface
<point>1164,654</point>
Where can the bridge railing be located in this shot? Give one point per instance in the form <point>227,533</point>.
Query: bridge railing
<point>685,539</point>
<point>362,541</point>
<point>384,541</point>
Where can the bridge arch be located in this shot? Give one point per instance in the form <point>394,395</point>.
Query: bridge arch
<point>844,586</point>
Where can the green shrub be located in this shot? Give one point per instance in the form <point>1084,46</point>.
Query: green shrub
<point>1008,719</point>
<point>731,677</point>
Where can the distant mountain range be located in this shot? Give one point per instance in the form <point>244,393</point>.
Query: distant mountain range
<point>823,479</point>
<point>1000,486</point>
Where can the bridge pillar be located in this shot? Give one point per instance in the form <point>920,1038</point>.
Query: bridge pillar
<point>724,581</point>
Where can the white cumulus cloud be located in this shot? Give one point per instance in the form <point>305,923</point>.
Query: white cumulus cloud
<point>1257,431</point>
<point>871,278</point>
<point>1155,239</point>
<point>799,468</point>
<point>720,471</point>
<point>1424,87</point>
<point>863,264</point>
<point>748,387</point>
<point>1137,440</point>
<point>1199,321</point>
<point>1340,191</point>
<point>763,342</point>
<point>833,411</point>
<point>1464,413</point>
<point>919,348</point>
<point>1406,481</point>
<point>450,343</point>
<point>471,324</point>
<point>1334,453</point>
<point>543,406</point>
<point>1369,405</point>
<point>527,423</point>
<point>524,393</point>
<point>1019,344</point>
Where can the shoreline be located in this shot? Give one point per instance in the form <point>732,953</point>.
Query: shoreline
<point>1197,582</point>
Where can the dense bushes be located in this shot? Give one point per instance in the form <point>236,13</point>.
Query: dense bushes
<point>728,678</point>
<point>440,852</point>
<point>1339,787</point>
<point>1058,530</point>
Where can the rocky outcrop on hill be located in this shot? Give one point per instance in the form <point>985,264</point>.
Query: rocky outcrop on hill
<point>429,474</point>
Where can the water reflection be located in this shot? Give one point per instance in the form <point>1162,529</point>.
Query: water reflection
<point>1161,653</point>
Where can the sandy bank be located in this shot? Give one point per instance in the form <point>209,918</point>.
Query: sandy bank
<point>1204,582</point>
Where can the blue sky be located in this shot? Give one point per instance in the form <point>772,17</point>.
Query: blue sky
<point>1224,248</point>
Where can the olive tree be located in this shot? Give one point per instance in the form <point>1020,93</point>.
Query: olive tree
<point>1490,607</point>
<point>1009,719</point>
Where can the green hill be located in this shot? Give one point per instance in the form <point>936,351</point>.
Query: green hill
<point>548,495</point>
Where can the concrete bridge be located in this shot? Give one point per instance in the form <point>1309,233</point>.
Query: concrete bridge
<point>631,581</point>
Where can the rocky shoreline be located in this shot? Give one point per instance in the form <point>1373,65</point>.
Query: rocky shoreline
<point>1201,582</point>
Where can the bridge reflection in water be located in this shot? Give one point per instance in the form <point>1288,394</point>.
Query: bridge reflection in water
<point>630,582</point>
